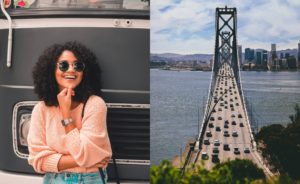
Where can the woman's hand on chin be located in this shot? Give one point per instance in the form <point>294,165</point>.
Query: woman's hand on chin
<point>65,100</point>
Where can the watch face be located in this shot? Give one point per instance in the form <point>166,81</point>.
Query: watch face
<point>65,122</point>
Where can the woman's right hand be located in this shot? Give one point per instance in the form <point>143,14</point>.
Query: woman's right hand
<point>65,101</point>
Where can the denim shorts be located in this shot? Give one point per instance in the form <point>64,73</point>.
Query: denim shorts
<point>74,178</point>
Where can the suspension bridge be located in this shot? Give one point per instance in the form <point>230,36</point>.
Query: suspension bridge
<point>225,132</point>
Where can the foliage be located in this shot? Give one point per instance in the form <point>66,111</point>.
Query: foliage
<point>165,173</point>
<point>283,145</point>
<point>243,170</point>
<point>236,172</point>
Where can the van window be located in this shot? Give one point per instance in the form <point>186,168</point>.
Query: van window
<point>99,4</point>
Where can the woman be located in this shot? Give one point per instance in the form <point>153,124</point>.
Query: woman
<point>68,137</point>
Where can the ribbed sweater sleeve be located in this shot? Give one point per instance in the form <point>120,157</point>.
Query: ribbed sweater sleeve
<point>41,157</point>
<point>91,144</point>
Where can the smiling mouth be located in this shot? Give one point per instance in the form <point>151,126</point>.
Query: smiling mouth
<point>70,77</point>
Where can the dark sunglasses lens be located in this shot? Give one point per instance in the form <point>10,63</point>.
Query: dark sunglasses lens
<point>79,66</point>
<point>63,66</point>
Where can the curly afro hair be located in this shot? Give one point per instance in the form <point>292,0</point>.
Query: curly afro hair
<point>45,85</point>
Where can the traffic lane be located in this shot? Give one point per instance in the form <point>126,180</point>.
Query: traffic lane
<point>239,141</point>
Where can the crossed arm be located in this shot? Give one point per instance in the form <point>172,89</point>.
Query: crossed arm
<point>67,162</point>
<point>85,148</point>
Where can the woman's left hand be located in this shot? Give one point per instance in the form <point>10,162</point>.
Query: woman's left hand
<point>103,163</point>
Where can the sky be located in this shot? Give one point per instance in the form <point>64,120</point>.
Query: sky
<point>188,26</point>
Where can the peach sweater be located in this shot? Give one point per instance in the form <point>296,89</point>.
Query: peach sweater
<point>88,144</point>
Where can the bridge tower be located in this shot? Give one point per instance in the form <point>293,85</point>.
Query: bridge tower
<point>225,52</point>
<point>226,40</point>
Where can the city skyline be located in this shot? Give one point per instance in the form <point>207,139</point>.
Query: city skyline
<point>187,27</point>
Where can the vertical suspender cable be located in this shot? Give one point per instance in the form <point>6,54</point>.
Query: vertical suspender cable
<point>9,41</point>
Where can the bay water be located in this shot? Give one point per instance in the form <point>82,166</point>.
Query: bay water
<point>178,100</point>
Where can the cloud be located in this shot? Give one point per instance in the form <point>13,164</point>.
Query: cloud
<point>189,26</point>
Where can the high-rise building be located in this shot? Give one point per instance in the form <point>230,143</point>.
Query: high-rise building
<point>249,54</point>
<point>264,58</point>
<point>298,54</point>
<point>240,54</point>
<point>291,62</point>
<point>281,55</point>
<point>258,57</point>
<point>286,55</point>
<point>273,51</point>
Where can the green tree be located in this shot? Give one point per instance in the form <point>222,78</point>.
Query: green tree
<point>283,145</point>
<point>231,172</point>
<point>165,173</point>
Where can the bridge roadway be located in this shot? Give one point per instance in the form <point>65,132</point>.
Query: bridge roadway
<point>227,125</point>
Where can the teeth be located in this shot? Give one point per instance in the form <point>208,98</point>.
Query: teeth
<point>69,77</point>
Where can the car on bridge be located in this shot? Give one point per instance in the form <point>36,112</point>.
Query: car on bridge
<point>215,158</point>
<point>204,155</point>
<point>208,134</point>
<point>226,147</point>
<point>215,150</point>
<point>206,142</point>
<point>226,134</point>
<point>234,134</point>
<point>246,150</point>
<point>217,142</point>
<point>236,151</point>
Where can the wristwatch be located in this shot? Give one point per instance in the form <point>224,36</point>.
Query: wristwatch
<point>65,122</point>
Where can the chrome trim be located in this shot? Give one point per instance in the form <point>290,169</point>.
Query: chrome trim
<point>128,106</point>
<point>110,105</point>
<point>17,86</point>
<point>9,38</point>
<point>76,22</point>
<point>103,90</point>
<point>131,162</point>
<point>14,126</point>
<point>125,91</point>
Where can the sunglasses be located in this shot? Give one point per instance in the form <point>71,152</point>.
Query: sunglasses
<point>64,66</point>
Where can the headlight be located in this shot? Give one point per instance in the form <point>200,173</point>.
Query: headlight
<point>20,126</point>
<point>24,128</point>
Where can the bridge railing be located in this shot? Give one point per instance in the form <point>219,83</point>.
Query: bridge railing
<point>207,108</point>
